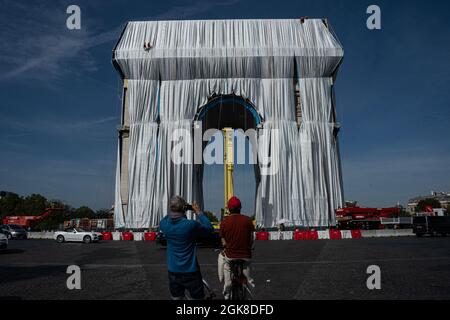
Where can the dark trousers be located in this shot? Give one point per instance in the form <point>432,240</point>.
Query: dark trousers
<point>191,282</point>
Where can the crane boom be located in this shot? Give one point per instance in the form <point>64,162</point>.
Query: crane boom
<point>228,166</point>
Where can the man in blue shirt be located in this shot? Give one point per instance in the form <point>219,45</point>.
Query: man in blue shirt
<point>181,234</point>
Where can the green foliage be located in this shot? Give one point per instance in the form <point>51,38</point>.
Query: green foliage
<point>104,214</point>
<point>50,223</point>
<point>427,202</point>
<point>34,204</point>
<point>211,216</point>
<point>404,213</point>
<point>11,204</point>
<point>83,212</point>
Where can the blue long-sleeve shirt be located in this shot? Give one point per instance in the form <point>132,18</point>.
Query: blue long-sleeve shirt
<point>181,234</point>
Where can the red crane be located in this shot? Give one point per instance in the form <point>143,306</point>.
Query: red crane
<point>371,217</point>
<point>30,221</point>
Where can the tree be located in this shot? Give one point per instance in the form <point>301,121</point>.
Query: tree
<point>404,213</point>
<point>11,204</point>
<point>427,203</point>
<point>51,223</point>
<point>103,214</point>
<point>35,204</point>
<point>211,216</point>
<point>83,212</point>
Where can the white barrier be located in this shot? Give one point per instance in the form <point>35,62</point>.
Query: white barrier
<point>404,233</point>
<point>287,235</point>
<point>116,236</point>
<point>346,234</point>
<point>138,236</point>
<point>387,233</point>
<point>368,233</point>
<point>40,235</point>
<point>325,234</point>
<point>273,235</point>
<point>281,235</point>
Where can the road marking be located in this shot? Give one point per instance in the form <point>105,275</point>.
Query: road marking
<point>134,266</point>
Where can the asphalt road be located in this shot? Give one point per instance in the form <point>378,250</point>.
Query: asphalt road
<point>411,268</point>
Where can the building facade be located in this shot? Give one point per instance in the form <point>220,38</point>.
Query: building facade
<point>442,197</point>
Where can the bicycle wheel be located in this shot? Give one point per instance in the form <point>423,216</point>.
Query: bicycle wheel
<point>237,292</point>
<point>247,293</point>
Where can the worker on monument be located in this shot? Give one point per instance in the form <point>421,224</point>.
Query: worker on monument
<point>181,234</point>
<point>236,231</point>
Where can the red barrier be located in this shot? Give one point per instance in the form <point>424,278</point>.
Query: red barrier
<point>335,234</point>
<point>262,235</point>
<point>107,236</point>
<point>313,235</point>
<point>127,236</point>
<point>300,235</point>
<point>356,234</point>
<point>150,236</point>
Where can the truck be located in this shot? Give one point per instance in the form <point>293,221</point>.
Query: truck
<point>364,218</point>
<point>29,222</point>
<point>431,225</point>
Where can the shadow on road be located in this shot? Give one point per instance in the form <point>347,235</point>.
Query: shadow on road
<point>12,251</point>
<point>15,273</point>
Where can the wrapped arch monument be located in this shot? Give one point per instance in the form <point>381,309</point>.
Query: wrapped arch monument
<point>273,75</point>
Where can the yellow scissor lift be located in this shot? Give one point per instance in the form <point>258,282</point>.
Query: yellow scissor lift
<point>228,169</point>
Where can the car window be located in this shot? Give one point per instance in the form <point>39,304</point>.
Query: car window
<point>69,230</point>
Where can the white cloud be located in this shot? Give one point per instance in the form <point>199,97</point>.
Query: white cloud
<point>36,44</point>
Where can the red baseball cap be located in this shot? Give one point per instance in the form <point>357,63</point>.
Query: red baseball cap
<point>234,203</point>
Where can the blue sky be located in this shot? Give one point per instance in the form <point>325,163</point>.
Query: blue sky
<point>60,95</point>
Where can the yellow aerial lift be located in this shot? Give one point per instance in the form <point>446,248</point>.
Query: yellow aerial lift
<point>228,167</point>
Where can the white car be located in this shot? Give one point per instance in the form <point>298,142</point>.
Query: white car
<point>3,241</point>
<point>77,235</point>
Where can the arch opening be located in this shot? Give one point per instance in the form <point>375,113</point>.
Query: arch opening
<point>229,111</point>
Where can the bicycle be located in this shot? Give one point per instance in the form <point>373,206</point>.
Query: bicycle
<point>209,293</point>
<point>240,289</point>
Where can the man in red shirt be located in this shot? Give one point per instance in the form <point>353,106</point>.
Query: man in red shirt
<point>236,231</point>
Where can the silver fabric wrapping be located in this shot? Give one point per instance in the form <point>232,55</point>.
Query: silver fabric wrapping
<point>319,153</point>
<point>259,60</point>
<point>119,220</point>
